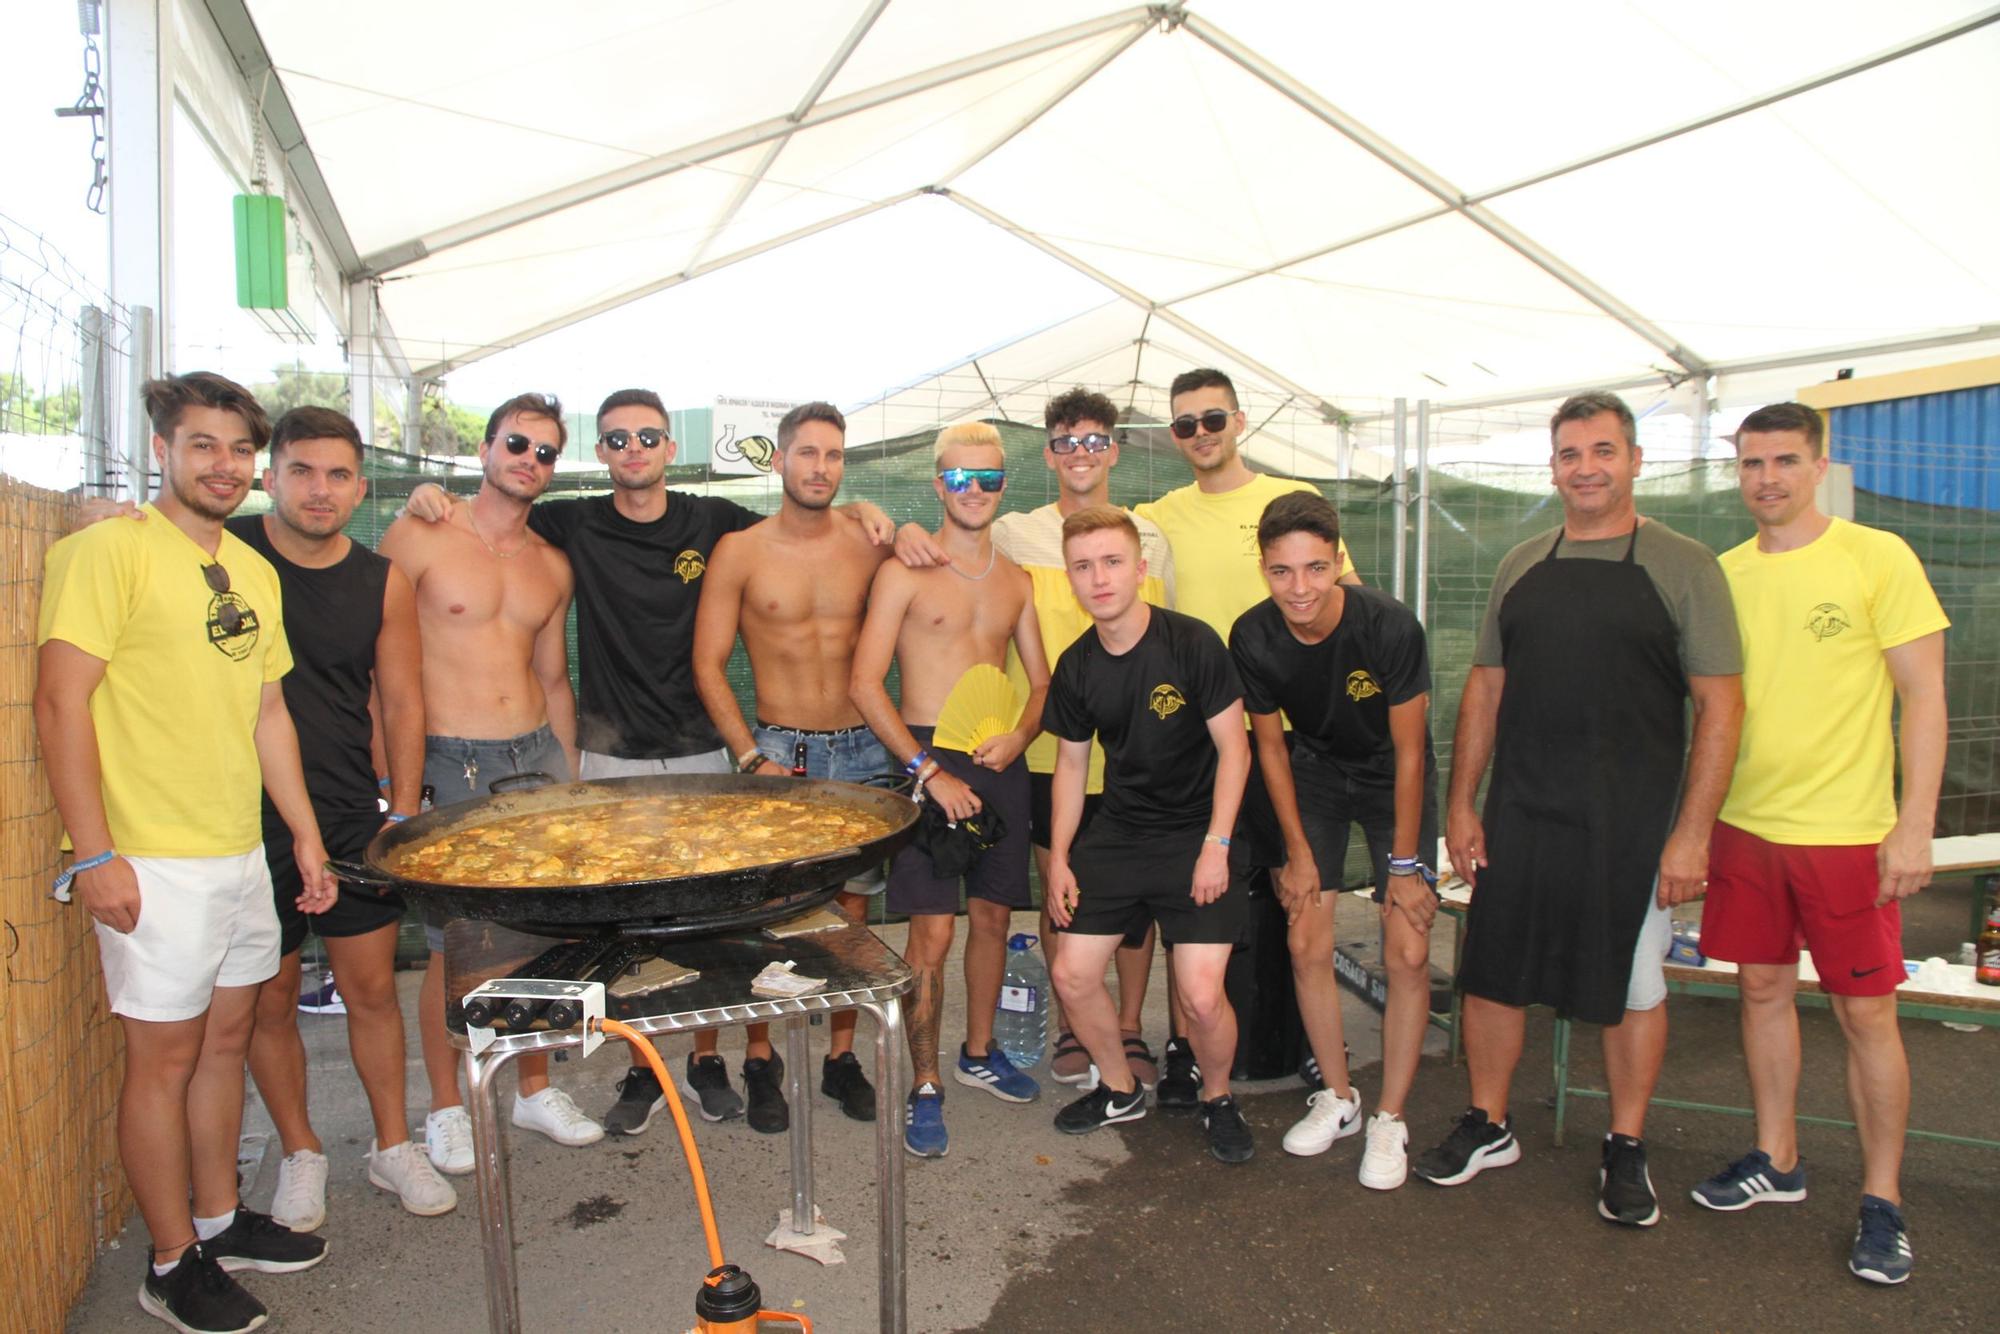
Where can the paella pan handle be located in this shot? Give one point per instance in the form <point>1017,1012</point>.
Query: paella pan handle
<point>901,784</point>
<point>361,875</point>
<point>835,855</point>
<point>532,778</point>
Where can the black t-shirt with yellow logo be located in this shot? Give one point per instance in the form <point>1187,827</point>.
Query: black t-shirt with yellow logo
<point>1338,692</point>
<point>636,589</point>
<point>1149,707</point>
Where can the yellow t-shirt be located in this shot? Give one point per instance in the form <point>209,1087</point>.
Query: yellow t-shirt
<point>1817,761</point>
<point>1217,571</point>
<point>176,712</point>
<point>1033,541</point>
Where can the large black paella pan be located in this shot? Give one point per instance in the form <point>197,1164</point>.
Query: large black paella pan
<point>646,902</point>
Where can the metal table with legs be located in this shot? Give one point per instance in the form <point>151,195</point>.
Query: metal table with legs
<point>862,974</point>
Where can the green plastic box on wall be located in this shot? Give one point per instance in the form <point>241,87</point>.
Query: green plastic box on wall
<point>261,253</point>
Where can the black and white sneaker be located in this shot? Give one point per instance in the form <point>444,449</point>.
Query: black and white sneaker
<point>1473,1145</point>
<point>1624,1186</point>
<point>705,1079</point>
<point>197,1297</point>
<point>1179,1089</point>
<point>258,1241</point>
<point>640,1099</point>
<point>1101,1107</point>
<point>1229,1138</point>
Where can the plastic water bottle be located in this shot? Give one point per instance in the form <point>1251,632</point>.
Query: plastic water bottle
<point>1021,1020</point>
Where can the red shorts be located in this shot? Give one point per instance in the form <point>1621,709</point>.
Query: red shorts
<point>1764,898</point>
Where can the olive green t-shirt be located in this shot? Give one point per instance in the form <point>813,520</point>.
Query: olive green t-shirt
<point>1686,574</point>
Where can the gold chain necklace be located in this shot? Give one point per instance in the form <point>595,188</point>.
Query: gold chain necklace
<point>472,520</point>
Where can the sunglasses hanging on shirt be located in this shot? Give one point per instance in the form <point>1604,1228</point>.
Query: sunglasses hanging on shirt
<point>960,480</point>
<point>229,616</point>
<point>546,455</point>
<point>1185,425</point>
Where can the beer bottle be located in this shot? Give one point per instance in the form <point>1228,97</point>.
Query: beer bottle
<point>1987,970</point>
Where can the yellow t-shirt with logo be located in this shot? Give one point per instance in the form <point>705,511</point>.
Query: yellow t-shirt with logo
<point>1817,762</point>
<point>1032,539</point>
<point>176,712</point>
<point>1217,571</point>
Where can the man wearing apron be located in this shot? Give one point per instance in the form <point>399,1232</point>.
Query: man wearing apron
<point>1595,638</point>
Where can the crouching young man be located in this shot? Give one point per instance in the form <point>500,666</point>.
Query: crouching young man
<point>1158,691</point>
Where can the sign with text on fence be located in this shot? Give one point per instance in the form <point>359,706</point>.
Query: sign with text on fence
<point>743,435</point>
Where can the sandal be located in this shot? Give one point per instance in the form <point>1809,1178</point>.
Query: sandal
<point>1071,1063</point>
<point>1140,1058</point>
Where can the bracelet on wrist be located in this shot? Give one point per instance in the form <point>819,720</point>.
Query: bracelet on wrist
<point>393,818</point>
<point>749,761</point>
<point>60,891</point>
<point>916,761</point>
<point>382,783</point>
<point>1221,840</point>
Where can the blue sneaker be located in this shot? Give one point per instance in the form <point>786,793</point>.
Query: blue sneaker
<point>923,1122</point>
<point>996,1074</point>
<point>1752,1180</point>
<point>1881,1251</point>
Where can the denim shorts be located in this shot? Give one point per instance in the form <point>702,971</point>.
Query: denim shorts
<point>457,769</point>
<point>847,755</point>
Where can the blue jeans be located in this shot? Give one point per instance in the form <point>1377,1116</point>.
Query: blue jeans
<point>847,755</point>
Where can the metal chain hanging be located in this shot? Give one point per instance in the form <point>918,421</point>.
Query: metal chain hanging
<point>90,102</point>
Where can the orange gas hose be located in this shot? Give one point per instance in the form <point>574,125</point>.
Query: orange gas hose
<point>644,1046</point>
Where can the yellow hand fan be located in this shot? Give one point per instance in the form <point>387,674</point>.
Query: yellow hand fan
<point>982,705</point>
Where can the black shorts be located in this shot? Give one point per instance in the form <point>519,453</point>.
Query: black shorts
<point>1041,798</point>
<point>1128,878</point>
<point>358,909</point>
<point>1001,873</point>
<point>1331,803</point>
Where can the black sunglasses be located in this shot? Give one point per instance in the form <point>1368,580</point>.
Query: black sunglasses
<point>229,616</point>
<point>1094,443</point>
<point>1185,425</point>
<point>546,455</point>
<point>620,440</point>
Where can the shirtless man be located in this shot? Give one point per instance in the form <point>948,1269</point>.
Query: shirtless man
<point>794,587</point>
<point>492,600</point>
<point>938,623</point>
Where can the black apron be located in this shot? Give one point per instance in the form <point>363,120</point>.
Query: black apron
<point>1588,753</point>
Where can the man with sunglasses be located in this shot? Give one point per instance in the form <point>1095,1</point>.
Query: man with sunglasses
<point>1211,523</point>
<point>160,712</point>
<point>937,624</point>
<point>492,605</point>
<point>794,587</point>
<point>1081,451</point>
<point>637,711</point>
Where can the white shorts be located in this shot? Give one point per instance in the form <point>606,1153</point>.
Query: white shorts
<point>204,922</point>
<point>590,764</point>
<point>1648,988</point>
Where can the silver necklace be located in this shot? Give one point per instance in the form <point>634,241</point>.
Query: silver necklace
<point>992,555</point>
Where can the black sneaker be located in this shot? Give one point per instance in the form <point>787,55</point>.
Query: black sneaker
<point>197,1297</point>
<point>258,1241</point>
<point>706,1080</point>
<point>1228,1133</point>
<point>1474,1145</point>
<point>1179,1089</point>
<point>840,1078</point>
<point>1101,1107</point>
<point>1624,1187</point>
<point>639,1101</point>
<point>763,1083</point>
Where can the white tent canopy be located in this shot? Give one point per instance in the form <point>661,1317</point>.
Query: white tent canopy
<point>1460,202</point>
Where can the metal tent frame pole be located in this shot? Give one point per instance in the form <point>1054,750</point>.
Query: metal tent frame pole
<point>1398,579</point>
<point>1422,602</point>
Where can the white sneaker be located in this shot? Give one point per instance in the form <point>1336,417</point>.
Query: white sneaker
<point>553,1114</point>
<point>1329,1118</point>
<point>448,1140</point>
<point>405,1170</point>
<point>1385,1163</point>
<point>300,1203</point>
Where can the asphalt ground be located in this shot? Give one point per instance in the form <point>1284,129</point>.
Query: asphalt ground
<point>1024,1229</point>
